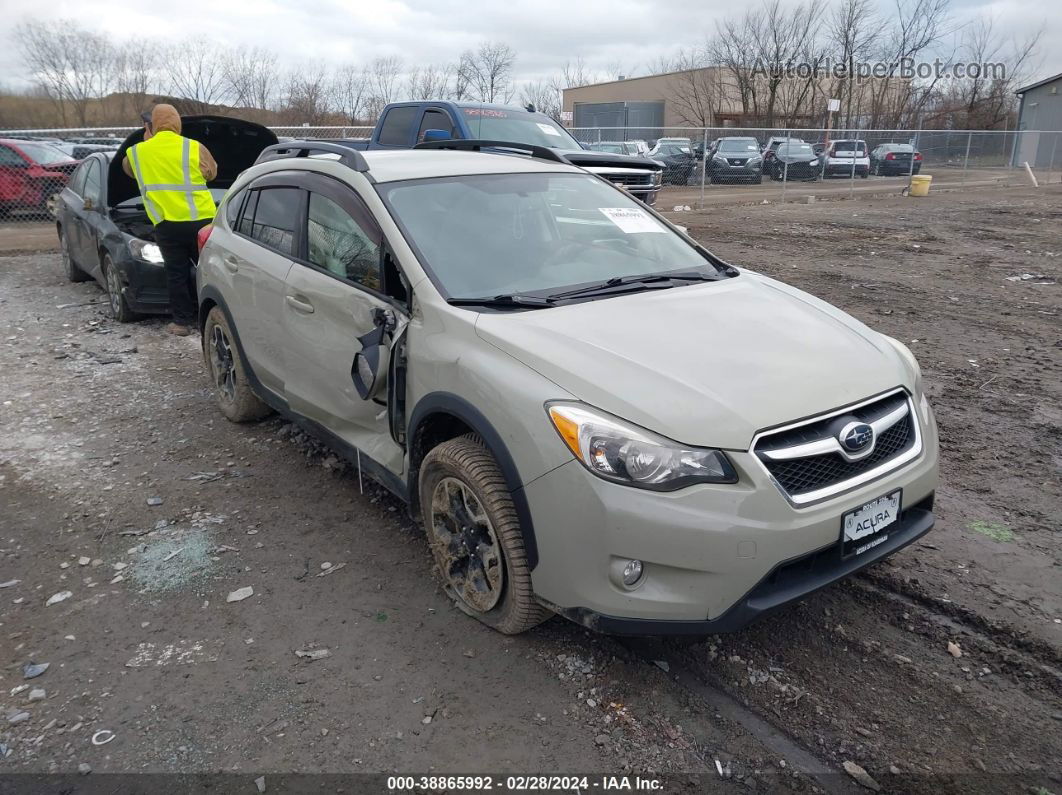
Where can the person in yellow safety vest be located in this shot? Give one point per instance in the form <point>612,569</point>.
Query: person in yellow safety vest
<point>172,173</point>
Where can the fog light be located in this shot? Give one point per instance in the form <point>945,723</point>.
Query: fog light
<point>632,572</point>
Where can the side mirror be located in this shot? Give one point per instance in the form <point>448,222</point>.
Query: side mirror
<point>369,370</point>
<point>437,135</point>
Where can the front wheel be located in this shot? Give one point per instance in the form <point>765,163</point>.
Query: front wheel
<point>119,307</point>
<point>234,395</point>
<point>475,537</point>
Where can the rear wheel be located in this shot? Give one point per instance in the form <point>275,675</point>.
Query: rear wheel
<point>119,307</point>
<point>234,395</point>
<point>475,537</point>
<point>70,268</point>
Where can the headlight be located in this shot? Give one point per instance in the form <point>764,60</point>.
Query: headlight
<point>754,160</point>
<point>618,451</point>
<point>658,177</point>
<point>145,251</point>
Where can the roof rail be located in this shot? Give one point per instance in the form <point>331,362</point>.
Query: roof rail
<point>351,158</point>
<point>476,145</point>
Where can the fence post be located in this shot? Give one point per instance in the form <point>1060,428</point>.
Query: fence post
<point>910,166</point>
<point>1051,163</point>
<point>704,165</point>
<point>965,160</point>
<point>785,172</point>
<point>855,151</point>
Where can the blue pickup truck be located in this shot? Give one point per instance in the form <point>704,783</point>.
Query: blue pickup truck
<point>403,125</point>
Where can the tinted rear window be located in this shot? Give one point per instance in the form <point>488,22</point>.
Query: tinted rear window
<point>398,125</point>
<point>275,218</point>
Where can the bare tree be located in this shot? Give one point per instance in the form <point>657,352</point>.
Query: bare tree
<point>428,82</point>
<point>350,89</point>
<point>986,99</point>
<point>307,94</point>
<point>382,75</point>
<point>850,31</point>
<point>251,77</point>
<point>196,73</point>
<point>488,71</point>
<point>74,66</point>
<point>694,88</point>
<point>543,96</point>
<point>135,76</point>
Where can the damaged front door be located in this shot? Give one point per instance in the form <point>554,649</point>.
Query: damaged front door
<point>335,310</point>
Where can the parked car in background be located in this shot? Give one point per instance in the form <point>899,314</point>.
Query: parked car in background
<point>771,147</point>
<point>81,151</point>
<point>735,159</point>
<point>615,147</point>
<point>105,233</point>
<point>402,125</point>
<point>678,159</point>
<point>518,350</point>
<point>112,141</point>
<point>793,160</point>
<point>32,174</point>
<point>890,159</point>
<point>845,157</point>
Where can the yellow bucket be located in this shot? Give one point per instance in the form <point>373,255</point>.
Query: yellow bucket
<point>920,185</point>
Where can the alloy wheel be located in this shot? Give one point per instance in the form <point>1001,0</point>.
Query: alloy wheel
<point>465,545</point>
<point>222,363</point>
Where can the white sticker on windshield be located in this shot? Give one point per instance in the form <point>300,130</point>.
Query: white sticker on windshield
<point>632,220</point>
<point>547,129</point>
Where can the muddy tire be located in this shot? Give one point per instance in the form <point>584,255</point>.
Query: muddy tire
<point>70,269</point>
<point>233,391</point>
<point>474,535</point>
<point>116,303</point>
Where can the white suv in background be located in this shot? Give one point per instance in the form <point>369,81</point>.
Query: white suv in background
<point>844,158</point>
<point>589,412</point>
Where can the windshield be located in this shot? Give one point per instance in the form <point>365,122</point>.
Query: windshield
<point>45,154</point>
<point>498,234</point>
<point>795,150</point>
<point>739,145</point>
<point>491,124</point>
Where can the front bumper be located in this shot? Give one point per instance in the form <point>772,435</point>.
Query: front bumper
<point>715,557</point>
<point>144,285</point>
<point>845,169</point>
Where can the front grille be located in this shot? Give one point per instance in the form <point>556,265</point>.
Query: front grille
<point>629,179</point>
<point>736,161</point>
<point>801,476</point>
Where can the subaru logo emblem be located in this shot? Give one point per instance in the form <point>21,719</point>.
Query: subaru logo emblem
<point>856,437</point>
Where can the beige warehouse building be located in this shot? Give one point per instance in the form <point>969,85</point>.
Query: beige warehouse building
<point>712,97</point>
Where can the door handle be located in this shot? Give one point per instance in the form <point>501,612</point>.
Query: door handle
<point>299,305</point>
<point>230,263</point>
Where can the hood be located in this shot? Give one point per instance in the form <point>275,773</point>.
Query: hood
<point>234,143</point>
<point>707,365</point>
<point>165,118</point>
<point>583,157</point>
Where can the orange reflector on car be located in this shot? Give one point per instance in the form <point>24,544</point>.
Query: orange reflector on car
<point>568,429</point>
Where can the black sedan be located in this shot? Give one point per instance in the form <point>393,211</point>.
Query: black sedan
<point>894,159</point>
<point>793,160</point>
<point>105,233</point>
<point>678,159</point>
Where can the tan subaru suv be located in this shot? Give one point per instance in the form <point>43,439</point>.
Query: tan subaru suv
<point>589,412</point>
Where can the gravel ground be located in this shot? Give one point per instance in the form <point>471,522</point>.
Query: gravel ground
<point>122,485</point>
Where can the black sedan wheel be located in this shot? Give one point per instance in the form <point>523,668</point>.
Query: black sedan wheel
<point>66,259</point>
<point>119,307</point>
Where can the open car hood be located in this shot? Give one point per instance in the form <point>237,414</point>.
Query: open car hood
<point>234,143</point>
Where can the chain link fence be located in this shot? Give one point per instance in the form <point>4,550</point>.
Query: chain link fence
<point>701,165</point>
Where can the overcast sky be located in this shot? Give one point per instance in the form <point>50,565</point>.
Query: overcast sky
<point>544,33</point>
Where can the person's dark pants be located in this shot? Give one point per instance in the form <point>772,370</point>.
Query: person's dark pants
<point>177,240</point>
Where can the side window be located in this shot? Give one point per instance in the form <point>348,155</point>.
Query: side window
<point>275,218</point>
<point>77,182</point>
<point>396,125</point>
<point>341,245</point>
<point>232,207</point>
<point>247,217</point>
<point>9,157</point>
<point>92,182</point>
<point>435,120</point>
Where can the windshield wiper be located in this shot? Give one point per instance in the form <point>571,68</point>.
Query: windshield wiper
<point>650,281</point>
<point>508,301</point>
